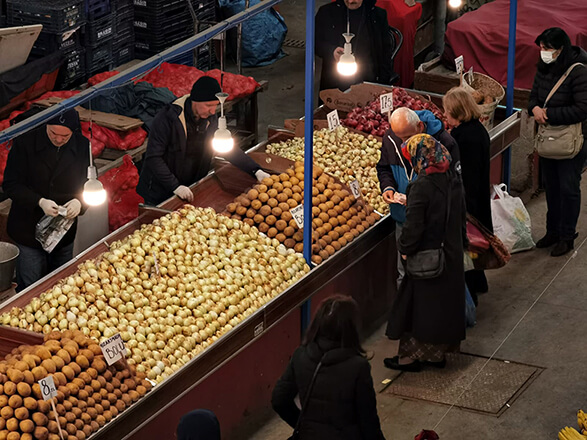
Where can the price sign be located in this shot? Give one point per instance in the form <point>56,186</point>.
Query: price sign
<point>386,102</point>
<point>48,388</point>
<point>113,348</point>
<point>460,64</point>
<point>333,120</point>
<point>298,214</point>
<point>356,188</point>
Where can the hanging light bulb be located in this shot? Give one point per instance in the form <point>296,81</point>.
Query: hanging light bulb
<point>455,3</point>
<point>347,65</point>
<point>223,141</point>
<point>94,192</point>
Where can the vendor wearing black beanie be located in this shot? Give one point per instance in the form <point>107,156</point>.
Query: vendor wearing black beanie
<point>46,170</point>
<point>179,152</point>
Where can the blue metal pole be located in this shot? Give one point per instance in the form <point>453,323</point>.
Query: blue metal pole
<point>507,155</point>
<point>308,150</point>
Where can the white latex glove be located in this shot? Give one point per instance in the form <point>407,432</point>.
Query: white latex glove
<point>74,207</point>
<point>260,175</point>
<point>49,207</point>
<point>183,192</point>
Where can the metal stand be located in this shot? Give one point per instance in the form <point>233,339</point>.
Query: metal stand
<point>239,44</point>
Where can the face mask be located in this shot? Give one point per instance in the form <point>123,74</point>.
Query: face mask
<point>546,56</point>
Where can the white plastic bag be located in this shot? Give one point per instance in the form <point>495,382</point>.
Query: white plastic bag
<point>511,221</point>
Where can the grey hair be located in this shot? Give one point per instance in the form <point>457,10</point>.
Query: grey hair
<point>405,115</point>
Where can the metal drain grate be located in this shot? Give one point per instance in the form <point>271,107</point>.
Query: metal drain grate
<point>494,390</point>
<point>298,44</point>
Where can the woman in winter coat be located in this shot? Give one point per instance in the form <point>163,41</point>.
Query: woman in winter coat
<point>341,405</point>
<point>428,315</point>
<point>561,178</point>
<point>463,114</point>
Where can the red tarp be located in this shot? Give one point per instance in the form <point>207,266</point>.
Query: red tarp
<point>405,18</point>
<point>481,36</point>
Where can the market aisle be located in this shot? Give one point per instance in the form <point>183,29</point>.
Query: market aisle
<point>551,336</point>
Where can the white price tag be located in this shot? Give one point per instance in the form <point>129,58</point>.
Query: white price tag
<point>113,348</point>
<point>386,102</point>
<point>355,188</point>
<point>48,388</point>
<point>298,214</point>
<point>460,64</point>
<point>333,120</point>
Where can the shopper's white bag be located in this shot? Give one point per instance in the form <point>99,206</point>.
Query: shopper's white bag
<point>511,221</point>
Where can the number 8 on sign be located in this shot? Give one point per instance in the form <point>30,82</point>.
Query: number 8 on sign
<point>48,389</point>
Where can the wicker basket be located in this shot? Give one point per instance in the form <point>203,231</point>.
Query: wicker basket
<point>489,87</point>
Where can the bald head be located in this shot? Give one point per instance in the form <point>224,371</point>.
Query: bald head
<point>405,123</point>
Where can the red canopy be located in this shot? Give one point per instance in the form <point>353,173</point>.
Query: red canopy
<point>481,36</point>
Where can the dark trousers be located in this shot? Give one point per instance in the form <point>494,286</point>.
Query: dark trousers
<point>33,264</point>
<point>562,183</point>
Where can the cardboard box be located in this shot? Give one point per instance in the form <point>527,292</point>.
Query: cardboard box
<point>357,95</point>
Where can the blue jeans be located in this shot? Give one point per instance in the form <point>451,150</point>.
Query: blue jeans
<point>33,264</point>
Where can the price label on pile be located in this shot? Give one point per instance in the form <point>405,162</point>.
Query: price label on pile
<point>460,64</point>
<point>333,120</point>
<point>386,102</point>
<point>298,214</point>
<point>48,388</point>
<point>113,348</point>
<point>356,188</point>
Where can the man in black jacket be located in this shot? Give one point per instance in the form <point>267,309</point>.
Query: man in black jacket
<point>371,43</point>
<point>179,152</point>
<point>45,171</point>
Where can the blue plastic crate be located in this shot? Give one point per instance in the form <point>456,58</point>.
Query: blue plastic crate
<point>96,9</point>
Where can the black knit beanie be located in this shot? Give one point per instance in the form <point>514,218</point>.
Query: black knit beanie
<point>205,90</point>
<point>68,118</point>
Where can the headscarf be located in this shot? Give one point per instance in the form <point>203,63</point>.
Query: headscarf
<point>426,154</point>
<point>200,424</point>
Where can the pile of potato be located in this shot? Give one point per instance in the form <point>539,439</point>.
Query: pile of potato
<point>343,154</point>
<point>89,392</point>
<point>337,218</point>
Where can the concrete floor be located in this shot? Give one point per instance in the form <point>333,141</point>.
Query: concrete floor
<point>535,312</point>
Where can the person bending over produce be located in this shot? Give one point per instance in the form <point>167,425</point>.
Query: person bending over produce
<point>371,43</point>
<point>45,171</point>
<point>179,152</point>
<point>395,172</point>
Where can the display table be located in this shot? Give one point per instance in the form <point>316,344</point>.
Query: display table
<point>405,18</point>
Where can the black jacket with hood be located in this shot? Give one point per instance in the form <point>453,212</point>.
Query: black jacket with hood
<point>371,44</point>
<point>342,404</point>
<point>165,162</point>
<point>569,104</point>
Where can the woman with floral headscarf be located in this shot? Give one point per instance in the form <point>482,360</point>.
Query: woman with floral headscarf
<point>428,315</point>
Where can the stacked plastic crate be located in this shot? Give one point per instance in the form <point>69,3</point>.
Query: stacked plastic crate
<point>124,43</point>
<point>160,24</point>
<point>62,21</point>
<point>98,36</point>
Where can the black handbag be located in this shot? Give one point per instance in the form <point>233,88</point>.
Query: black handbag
<point>429,263</point>
<point>296,433</point>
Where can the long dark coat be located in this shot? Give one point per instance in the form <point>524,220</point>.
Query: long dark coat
<point>29,177</point>
<point>342,405</point>
<point>474,145</point>
<point>432,310</point>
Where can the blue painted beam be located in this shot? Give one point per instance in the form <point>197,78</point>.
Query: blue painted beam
<point>134,72</point>
<point>511,75</point>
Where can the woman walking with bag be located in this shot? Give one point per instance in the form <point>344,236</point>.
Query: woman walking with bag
<point>333,379</point>
<point>427,315</point>
<point>558,102</point>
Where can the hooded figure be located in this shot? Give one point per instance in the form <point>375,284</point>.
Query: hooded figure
<point>46,170</point>
<point>371,44</point>
<point>200,424</point>
<point>427,315</point>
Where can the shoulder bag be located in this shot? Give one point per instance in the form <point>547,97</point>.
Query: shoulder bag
<point>559,141</point>
<point>430,262</point>
<point>296,433</point>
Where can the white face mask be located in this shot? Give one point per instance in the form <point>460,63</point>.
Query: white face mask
<point>547,56</point>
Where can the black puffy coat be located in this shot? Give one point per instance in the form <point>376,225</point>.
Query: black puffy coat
<point>432,310</point>
<point>33,173</point>
<point>371,44</point>
<point>569,104</point>
<point>342,404</point>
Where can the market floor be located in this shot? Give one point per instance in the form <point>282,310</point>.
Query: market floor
<point>535,314</point>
